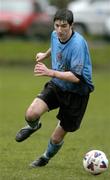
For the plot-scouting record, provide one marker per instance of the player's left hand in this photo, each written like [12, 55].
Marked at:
[42, 70]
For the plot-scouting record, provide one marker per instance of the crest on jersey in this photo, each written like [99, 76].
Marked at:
[59, 56]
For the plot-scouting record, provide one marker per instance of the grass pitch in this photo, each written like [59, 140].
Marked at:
[18, 87]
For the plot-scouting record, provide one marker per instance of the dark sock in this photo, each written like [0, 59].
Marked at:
[33, 124]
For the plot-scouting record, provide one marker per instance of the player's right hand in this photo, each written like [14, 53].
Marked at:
[40, 56]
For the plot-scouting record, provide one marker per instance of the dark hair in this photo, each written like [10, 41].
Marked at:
[64, 15]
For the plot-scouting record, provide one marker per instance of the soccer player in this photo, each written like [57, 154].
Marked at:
[68, 89]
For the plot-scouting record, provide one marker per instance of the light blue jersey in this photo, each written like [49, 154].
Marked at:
[72, 56]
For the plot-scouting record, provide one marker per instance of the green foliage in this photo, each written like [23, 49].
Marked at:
[18, 87]
[60, 3]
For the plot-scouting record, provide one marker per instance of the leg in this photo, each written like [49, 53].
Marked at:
[56, 141]
[35, 110]
[54, 145]
[33, 113]
[58, 134]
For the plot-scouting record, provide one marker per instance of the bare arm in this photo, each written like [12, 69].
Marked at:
[41, 56]
[42, 70]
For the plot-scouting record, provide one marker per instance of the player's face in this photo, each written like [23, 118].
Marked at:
[63, 29]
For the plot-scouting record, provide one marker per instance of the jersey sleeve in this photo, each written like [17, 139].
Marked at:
[77, 60]
[81, 63]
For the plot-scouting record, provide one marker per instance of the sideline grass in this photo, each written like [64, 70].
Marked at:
[18, 87]
[19, 51]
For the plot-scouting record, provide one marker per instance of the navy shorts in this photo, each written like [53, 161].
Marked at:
[71, 105]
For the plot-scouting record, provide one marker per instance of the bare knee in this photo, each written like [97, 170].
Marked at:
[31, 115]
[36, 109]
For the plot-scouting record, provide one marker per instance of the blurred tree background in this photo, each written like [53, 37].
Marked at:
[60, 3]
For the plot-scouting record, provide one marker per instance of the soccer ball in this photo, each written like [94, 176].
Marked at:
[95, 162]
